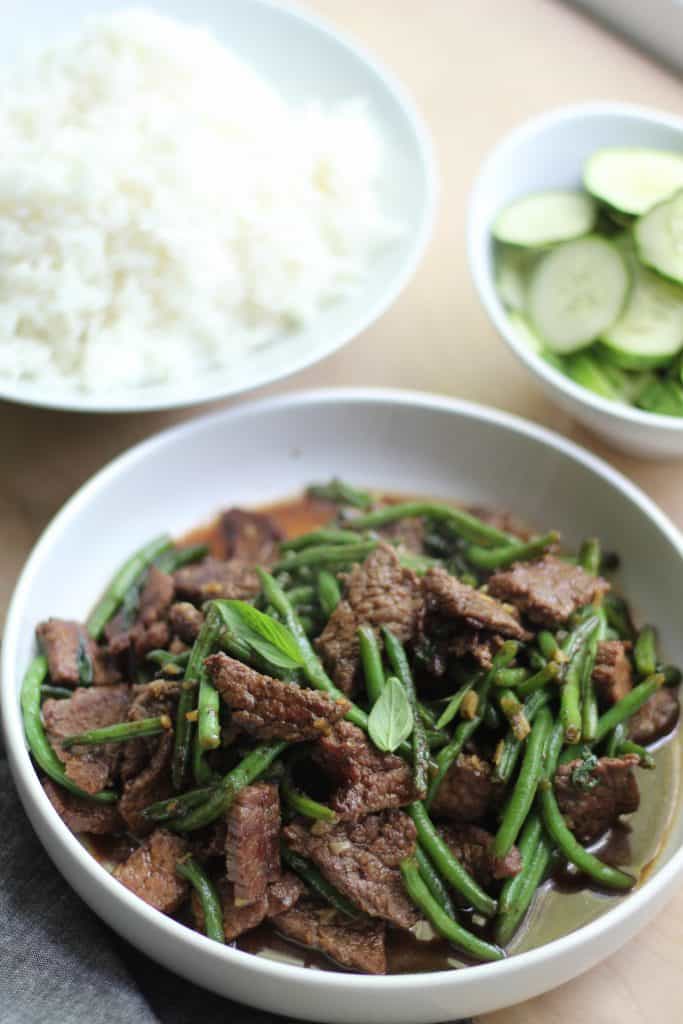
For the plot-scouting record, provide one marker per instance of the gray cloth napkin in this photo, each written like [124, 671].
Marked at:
[59, 963]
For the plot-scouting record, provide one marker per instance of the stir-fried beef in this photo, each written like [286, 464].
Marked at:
[448, 598]
[72, 655]
[253, 845]
[92, 768]
[612, 673]
[82, 815]
[473, 847]
[380, 592]
[156, 596]
[591, 801]
[362, 860]
[249, 537]
[185, 621]
[213, 578]
[468, 790]
[239, 917]
[479, 645]
[501, 520]
[270, 709]
[356, 944]
[145, 628]
[656, 718]
[284, 893]
[548, 590]
[147, 761]
[367, 780]
[150, 872]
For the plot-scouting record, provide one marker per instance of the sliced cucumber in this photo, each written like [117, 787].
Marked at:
[649, 331]
[662, 396]
[576, 292]
[631, 181]
[591, 373]
[524, 332]
[545, 218]
[658, 238]
[512, 272]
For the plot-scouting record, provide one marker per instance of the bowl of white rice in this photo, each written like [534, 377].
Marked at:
[194, 203]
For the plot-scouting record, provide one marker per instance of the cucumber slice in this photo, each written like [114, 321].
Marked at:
[649, 332]
[659, 238]
[545, 218]
[589, 372]
[512, 271]
[631, 181]
[662, 396]
[576, 292]
[524, 332]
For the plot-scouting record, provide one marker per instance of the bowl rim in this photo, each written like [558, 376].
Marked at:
[33, 795]
[478, 235]
[133, 400]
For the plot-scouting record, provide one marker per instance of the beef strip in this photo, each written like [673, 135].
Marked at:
[612, 672]
[367, 780]
[150, 872]
[249, 537]
[283, 894]
[473, 848]
[270, 709]
[548, 590]
[83, 815]
[213, 578]
[238, 917]
[468, 790]
[147, 760]
[359, 945]
[148, 628]
[185, 621]
[252, 845]
[481, 646]
[656, 718]
[450, 599]
[362, 860]
[591, 811]
[71, 653]
[380, 592]
[92, 768]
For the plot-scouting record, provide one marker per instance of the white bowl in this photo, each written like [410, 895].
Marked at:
[549, 152]
[303, 58]
[269, 449]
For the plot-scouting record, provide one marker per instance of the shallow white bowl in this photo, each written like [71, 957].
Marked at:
[304, 59]
[549, 152]
[269, 449]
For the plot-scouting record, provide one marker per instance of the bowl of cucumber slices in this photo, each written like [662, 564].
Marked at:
[575, 243]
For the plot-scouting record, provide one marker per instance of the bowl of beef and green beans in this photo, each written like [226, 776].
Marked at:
[574, 251]
[339, 736]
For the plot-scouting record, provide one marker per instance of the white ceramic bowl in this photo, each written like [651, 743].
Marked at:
[304, 59]
[549, 152]
[266, 450]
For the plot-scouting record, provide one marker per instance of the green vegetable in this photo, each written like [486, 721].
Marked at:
[55, 692]
[208, 897]
[371, 660]
[467, 526]
[120, 732]
[340, 493]
[304, 804]
[645, 652]
[545, 675]
[326, 554]
[130, 573]
[501, 557]
[453, 706]
[420, 749]
[264, 634]
[583, 776]
[628, 705]
[177, 806]
[590, 556]
[629, 747]
[432, 879]
[317, 537]
[165, 658]
[519, 803]
[315, 881]
[523, 886]
[329, 593]
[175, 558]
[576, 648]
[510, 749]
[391, 719]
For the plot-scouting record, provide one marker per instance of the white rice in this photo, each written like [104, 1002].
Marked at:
[163, 211]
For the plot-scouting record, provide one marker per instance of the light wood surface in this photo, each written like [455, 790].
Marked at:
[476, 68]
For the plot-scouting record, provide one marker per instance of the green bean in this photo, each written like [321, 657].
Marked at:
[326, 554]
[427, 715]
[548, 645]
[436, 740]
[223, 794]
[446, 863]
[444, 924]
[453, 706]
[420, 564]
[629, 747]
[618, 616]
[371, 660]
[536, 660]
[672, 674]
[432, 879]
[627, 706]
[165, 658]
[450, 753]
[37, 740]
[340, 493]
[510, 677]
[175, 558]
[575, 648]
[304, 804]
[502, 557]
[511, 748]
[589, 700]
[208, 897]
[528, 841]
[303, 594]
[547, 674]
[47, 691]
[195, 673]
[176, 806]
[530, 877]
[312, 667]
[645, 652]
[315, 881]
[519, 804]
[492, 718]
[561, 835]
[399, 663]
[467, 526]
[590, 556]
[208, 700]
[120, 732]
[329, 592]
[616, 736]
[322, 536]
[513, 709]
[129, 574]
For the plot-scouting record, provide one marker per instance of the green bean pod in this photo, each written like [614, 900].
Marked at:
[501, 557]
[208, 897]
[529, 879]
[432, 879]
[519, 804]
[120, 732]
[420, 748]
[317, 537]
[645, 652]
[326, 554]
[129, 574]
[590, 556]
[304, 804]
[628, 705]
[329, 592]
[175, 558]
[463, 524]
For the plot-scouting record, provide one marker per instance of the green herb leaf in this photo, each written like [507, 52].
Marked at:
[269, 638]
[391, 718]
[582, 775]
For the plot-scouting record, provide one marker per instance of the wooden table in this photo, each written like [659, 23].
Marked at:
[476, 68]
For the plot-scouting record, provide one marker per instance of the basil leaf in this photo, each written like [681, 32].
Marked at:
[391, 718]
[269, 638]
